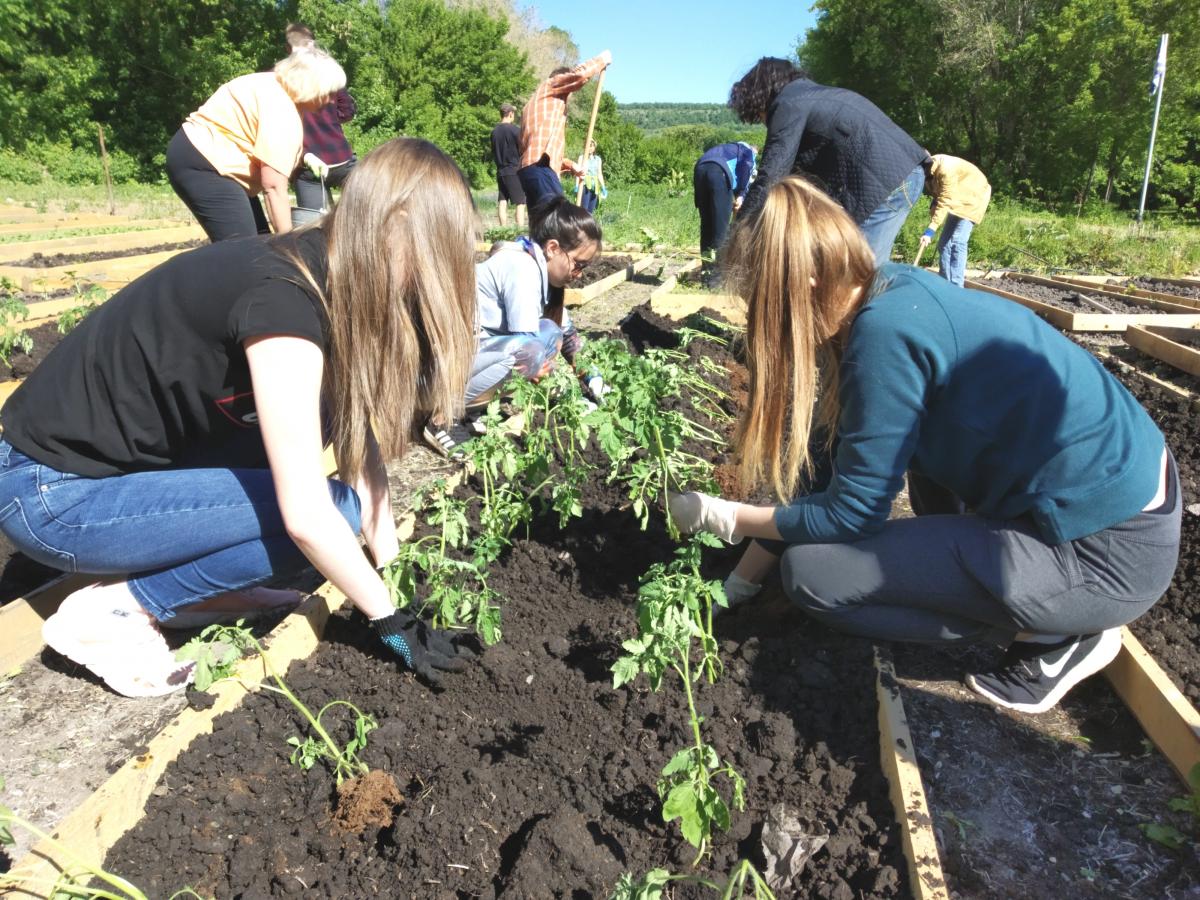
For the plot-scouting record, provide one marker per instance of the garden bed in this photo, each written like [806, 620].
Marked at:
[529, 775]
[1166, 286]
[52, 260]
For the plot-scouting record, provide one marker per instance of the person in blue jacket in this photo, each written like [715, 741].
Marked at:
[720, 180]
[1047, 503]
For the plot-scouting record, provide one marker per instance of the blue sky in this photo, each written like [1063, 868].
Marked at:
[678, 51]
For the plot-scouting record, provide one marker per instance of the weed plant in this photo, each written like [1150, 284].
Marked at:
[651, 885]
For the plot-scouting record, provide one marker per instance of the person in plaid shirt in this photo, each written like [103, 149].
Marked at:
[544, 130]
[326, 150]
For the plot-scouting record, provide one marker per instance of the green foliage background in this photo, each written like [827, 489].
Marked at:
[1049, 97]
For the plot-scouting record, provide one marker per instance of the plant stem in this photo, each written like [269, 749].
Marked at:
[131, 892]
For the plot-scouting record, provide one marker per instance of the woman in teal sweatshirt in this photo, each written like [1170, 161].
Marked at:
[1047, 503]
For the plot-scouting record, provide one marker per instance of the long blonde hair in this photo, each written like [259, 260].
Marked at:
[804, 269]
[400, 298]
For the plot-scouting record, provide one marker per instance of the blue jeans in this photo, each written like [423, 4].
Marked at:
[177, 535]
[952, 249]
[881, 227]
[539, 183]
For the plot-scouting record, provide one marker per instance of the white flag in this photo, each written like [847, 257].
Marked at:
[1160, 67]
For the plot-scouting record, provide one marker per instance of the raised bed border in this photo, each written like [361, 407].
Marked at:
[1066, 320]
[97, 243]
[578, 296]
[1161, 343]
[111, 274]
[1130, 292]
[1165, 714]
[1167, 305]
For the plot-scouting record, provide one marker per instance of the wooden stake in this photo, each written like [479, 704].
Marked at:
[920, 250]
[112, 206]
[591, 129]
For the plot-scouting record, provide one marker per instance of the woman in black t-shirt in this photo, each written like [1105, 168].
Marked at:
[172, 444]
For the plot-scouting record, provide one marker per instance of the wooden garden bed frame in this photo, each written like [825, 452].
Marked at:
[1168, 305]
[672, 281]
[1067, 320]
[1167, 344]
[1127, 293]
[99, 243]
[111, 274]
[579, 296]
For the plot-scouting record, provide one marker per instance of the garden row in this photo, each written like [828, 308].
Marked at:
[540, 771]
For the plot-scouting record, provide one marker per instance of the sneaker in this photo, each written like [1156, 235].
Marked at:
[1033, 677]
[448, 440]
[225, 609]
[103, 628]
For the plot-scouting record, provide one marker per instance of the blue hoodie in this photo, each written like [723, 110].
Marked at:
[737, 160]
[980, 395]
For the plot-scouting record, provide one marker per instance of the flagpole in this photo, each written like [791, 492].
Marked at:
[1161, 78]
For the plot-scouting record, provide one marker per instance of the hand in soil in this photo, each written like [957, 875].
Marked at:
[427, 651]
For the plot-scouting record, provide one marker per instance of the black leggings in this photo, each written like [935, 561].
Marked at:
[221, 205]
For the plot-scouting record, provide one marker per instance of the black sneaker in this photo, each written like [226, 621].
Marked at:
[1034, 677]
[448, 440]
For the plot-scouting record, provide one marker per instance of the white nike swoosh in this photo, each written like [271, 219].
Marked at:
[1053, 670]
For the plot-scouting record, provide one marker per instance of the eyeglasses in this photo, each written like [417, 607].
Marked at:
[576, 265]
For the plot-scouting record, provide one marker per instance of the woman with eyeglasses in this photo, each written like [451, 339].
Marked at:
[522, 324]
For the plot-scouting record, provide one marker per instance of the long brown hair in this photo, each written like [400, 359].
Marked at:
[400, 298]
[804, 270]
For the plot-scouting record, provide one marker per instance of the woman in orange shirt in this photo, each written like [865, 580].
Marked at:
[247, 139]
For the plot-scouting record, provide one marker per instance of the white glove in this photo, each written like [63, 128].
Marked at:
[595, 389]
[737, 591]
[316, 165]
[694, 511]
[606, 55]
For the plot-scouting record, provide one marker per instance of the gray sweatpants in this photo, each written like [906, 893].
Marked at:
[949, 576]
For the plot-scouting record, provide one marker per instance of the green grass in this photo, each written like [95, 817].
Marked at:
[1012, 235]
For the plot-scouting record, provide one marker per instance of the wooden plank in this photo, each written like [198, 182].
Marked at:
[672, 281]
[1167, 306]
[1161, 708]
[679, 306]
[899, 759]
[1072, 321]
[6, 390]
[1190, 302]
[111, 274]
[579, 296]
[21, 620]
[49, 310]
[100, 243]
[1154, 380]
[44, 226]
[1154, 342]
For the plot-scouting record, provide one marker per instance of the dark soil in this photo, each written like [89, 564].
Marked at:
[599, 269]
[528, 775]
[1171, 629]
[44, 261]
[1073, 300]
[45, 338]
[1163, 287]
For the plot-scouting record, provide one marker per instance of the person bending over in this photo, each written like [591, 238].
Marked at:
[247, 139]
[523, 325]
[865, 161]
[720, 180]
[544, 130]
[1048, 505]
[171, 445]
[960, 198]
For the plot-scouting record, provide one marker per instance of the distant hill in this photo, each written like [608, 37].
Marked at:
[653, 117]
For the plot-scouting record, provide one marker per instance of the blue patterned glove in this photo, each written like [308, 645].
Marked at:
[425, 650]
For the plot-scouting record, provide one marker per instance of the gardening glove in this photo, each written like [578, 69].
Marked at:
[694, 511]
[737, 591]
[316, 165]
[594, 388]
[425, 650]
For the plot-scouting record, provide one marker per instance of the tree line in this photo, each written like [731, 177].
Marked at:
[1049, 97]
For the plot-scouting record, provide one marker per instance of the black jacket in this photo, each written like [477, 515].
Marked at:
[841, 139]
